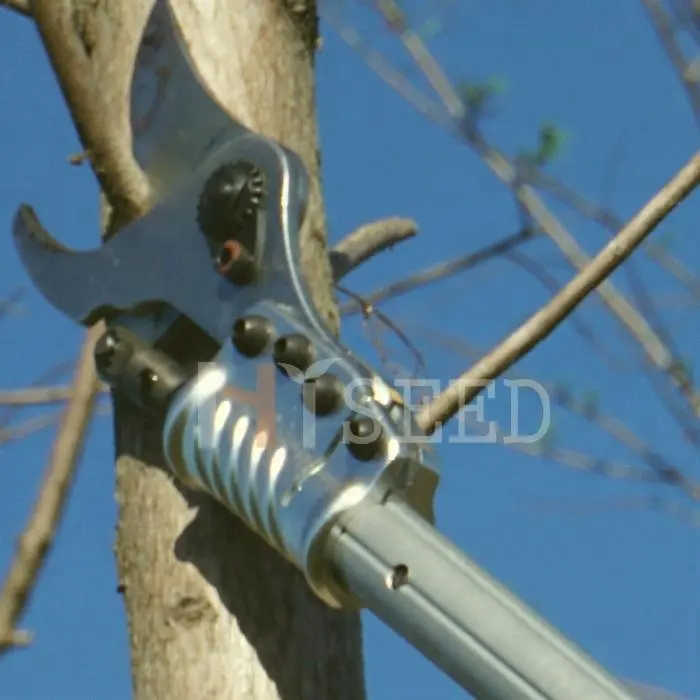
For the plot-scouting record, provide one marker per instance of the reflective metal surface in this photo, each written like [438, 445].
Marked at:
[241, 432]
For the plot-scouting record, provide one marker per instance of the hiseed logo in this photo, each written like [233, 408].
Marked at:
[471, 425]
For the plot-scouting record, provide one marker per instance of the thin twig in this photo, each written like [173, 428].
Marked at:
[33, 397]
[28, 427]
[663, 471]
[664, 32]
[367, 241]
[674, 267]
[37, 538]
[418, 50]
[41, 395]
[390, 75]
[680, 511]
[388, 323]
[53, 373]
[685, 419]
[21, 7]
[572, 459]
[542, 323]
[440, 271]
[10, 303]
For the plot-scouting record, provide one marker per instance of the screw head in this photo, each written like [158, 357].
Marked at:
[105, 350]
[148, 381]
[294, 350]
[252, 335]
[235, 262]
[366, 438]
[323, 395]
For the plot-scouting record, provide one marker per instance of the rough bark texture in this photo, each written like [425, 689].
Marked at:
[212, 611]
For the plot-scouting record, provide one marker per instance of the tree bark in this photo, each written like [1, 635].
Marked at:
[212, 611]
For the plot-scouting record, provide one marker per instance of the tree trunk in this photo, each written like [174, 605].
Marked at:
[212, 611]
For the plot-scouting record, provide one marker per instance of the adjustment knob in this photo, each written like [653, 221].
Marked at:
[229, 200]
[252, 335]
[365, 440]
[295, 351]
[323, 395]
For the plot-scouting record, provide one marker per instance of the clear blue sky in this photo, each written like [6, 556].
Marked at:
[620, 581]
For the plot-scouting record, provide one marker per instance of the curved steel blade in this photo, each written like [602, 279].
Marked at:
[175, 121]
[176, 125]
[123, 275]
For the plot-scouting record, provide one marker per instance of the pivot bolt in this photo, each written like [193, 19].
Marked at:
[252, 335]
[293, 351]
[323, 395]
[365, 440]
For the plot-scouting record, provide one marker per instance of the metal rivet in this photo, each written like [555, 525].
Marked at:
[323, 395]
[366, 438]
[252, 335]
[293, 351]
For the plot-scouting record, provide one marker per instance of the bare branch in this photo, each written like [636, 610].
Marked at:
[613, 223]
[120, 178]
[37, 538]
[659, 255]
[664, 31]
[653, 346]
[636, 324]
[662, 470]
[439, 272]
[367, 241]
[550, 283]
[542, 323]
[21, 7]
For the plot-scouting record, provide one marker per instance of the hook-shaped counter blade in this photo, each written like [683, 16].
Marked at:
[177, 125]
[175, 121]
[160, 259]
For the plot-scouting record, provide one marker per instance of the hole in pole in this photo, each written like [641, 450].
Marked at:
[397, 577]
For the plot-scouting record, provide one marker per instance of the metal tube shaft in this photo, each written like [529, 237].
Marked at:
[469, 625]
